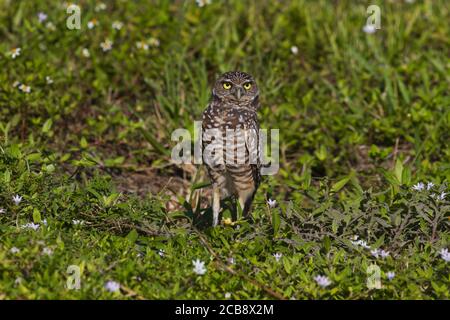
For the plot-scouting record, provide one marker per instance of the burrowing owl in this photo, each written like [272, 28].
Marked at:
[230, 140]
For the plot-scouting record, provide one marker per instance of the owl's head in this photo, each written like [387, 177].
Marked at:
[236, 87]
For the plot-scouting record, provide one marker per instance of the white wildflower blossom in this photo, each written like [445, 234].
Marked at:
[375, 252]
[106, 45]
[154, 42]
[100, 7]
[294, 50]
[369, 29]
[390, 275]
[117, 25]
[112, 286]
[199, 267]
[92, 23]
[17, 199]
[322, 281]
[30, 225]
[14, 250]
[142, 45]
[49, 80]
[42, 17]
[227, 295]
[15, 52]
[419, 186]
[202, 3]
[48, 251]
[361, 243]
[2, 210]
[50, 26]
[277, 256]
[85, 52]
[430, 185]
[445, 254]
[18, 281]
[272, 203]
[24, 88]
[384, 254]
[161, 252]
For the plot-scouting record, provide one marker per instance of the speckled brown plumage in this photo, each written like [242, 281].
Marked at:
[233, 166]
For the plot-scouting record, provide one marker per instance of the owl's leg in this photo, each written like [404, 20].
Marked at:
[245, 197]
[216, 204]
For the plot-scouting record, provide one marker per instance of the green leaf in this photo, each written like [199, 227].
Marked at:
[275, 221]
[398, 170]
[47, 126]
[158, 146]
[36, 216]
[132, 236]
[340, 184]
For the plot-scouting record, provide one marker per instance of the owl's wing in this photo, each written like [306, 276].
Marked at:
[253, 147]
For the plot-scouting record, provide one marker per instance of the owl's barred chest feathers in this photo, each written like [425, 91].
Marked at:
[229, 117]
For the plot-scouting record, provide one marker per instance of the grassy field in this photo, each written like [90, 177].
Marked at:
[87, 184]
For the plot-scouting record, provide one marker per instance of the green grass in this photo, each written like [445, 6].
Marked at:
[362, 118]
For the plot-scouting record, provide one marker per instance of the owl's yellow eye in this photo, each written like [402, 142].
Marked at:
[247, 86]
[227, 85]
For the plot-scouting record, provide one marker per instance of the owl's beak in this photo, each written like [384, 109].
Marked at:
[238, 93]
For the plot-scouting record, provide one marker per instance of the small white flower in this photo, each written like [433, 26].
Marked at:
[430, 185]
[18, 281]
[47, 251]
[227, 295]
[369, 29]
[106, 45]
[277, 256]
[50, 26]
[30, 225]
[442, 196]
[117, 25]
[375, 252]
[142, 45]
[24, 88]
[14, 250]
[85, 53]
[77, 222]
[202, 3]
[384, 254]
[294, 50]
[44, 222]
[42, 17]
[15, 52]
[92, 23]
[17, 199]
[231, 260]
[272, 203]
[100, 7]
[2, 210]
[445, 254]
[49, 80]
[153, 42]
[322, 281]
[361, 243]
[112, 286]
[419, 186]
[390, 275]
[199, 267]
[161, 252]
